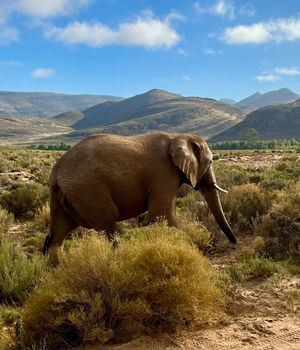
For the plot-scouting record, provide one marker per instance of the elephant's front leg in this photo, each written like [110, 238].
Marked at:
[162, 205]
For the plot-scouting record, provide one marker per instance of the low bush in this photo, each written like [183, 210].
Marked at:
[24, 200]
[193, 209]
[230, 175]
[8, 314]
[281, 227]
[254, 268]
[197, 234]
[18, 273]
[154, 278]
[6, 220]
[246, 204]
[41, 219]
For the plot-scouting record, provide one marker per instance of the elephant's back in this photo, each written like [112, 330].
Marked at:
[112, 159]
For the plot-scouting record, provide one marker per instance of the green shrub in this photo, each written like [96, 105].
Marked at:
[18, 273]
[8, 314]
[281, 227]
[254, 268]
[246, 204]
[193, 209]
[41, 220]
[154, 278]
[25, 199]
[230, 175]
[190, 205]
[6, 220]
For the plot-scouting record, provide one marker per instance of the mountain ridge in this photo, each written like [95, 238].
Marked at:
[257, 100]
[271, 122]
[46, 104]
[158, 110]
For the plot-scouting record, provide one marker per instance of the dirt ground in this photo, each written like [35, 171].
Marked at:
[263, 316]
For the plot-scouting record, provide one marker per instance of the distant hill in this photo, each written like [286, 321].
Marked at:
[44, 104]
[158, 110]
[29, 130]
[67, 118]
[137, 106]
[229, 101]
[271, 122]
[275, 97]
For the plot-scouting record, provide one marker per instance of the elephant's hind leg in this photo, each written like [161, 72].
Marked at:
[60, 227]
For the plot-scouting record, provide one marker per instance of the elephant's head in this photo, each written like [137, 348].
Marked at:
[193, 157]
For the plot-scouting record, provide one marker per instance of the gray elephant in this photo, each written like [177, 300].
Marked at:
[109, 178]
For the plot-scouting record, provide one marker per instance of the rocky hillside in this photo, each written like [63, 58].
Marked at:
[272, 122]
[44, 104]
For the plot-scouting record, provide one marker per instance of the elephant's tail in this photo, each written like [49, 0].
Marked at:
[54, 189]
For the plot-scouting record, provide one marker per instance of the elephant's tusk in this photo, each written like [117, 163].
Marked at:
[219, 188]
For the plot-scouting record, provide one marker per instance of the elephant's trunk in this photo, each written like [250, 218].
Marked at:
[210, 189]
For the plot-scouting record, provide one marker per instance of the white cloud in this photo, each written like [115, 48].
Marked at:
[10, 63]
[223, 8]
[146, 30]
[33, 8]
[210, 51]
[267, 77]
[287, 71]
[282, 29]
[254, 34]
[43, 73]
[49, 8]
[186, 78]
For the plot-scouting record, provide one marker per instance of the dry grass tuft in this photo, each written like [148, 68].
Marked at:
[154, 278]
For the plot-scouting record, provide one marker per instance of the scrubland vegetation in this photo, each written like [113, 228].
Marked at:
[157, 278]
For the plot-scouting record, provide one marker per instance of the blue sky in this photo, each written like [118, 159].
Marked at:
[207, 48]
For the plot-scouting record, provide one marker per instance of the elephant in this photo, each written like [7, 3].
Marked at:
[108, 178]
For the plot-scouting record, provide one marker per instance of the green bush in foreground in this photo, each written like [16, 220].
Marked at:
[18, 273]
[154, 278]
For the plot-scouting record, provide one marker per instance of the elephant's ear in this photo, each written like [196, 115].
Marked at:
[183, 153]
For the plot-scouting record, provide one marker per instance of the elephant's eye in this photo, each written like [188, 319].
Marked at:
[210, 161]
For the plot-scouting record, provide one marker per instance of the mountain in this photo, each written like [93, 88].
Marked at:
[158, 110]
[46, 104]
[229, 101]
[134, 107]
[67, 118]
[271, 122]
[275, 97]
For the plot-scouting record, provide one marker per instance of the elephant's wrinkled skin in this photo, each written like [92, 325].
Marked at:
[109, 178]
